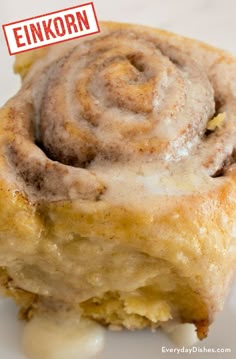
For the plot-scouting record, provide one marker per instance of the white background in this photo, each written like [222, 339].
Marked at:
[212, 21]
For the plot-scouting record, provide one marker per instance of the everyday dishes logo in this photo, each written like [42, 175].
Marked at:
[51, 28]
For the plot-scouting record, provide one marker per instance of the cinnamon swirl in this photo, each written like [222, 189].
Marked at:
[118, 179]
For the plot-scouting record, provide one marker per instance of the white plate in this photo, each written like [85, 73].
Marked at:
[130, 345]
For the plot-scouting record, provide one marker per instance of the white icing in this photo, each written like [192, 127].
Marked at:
[60, 337]
[100, 107]
[181, 334]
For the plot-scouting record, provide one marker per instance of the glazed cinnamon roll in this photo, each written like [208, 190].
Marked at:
[118, 179]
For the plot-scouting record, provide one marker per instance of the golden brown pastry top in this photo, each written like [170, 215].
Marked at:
[123, 114]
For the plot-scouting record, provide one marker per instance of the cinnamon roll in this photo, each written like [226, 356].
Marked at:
[118, 179]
